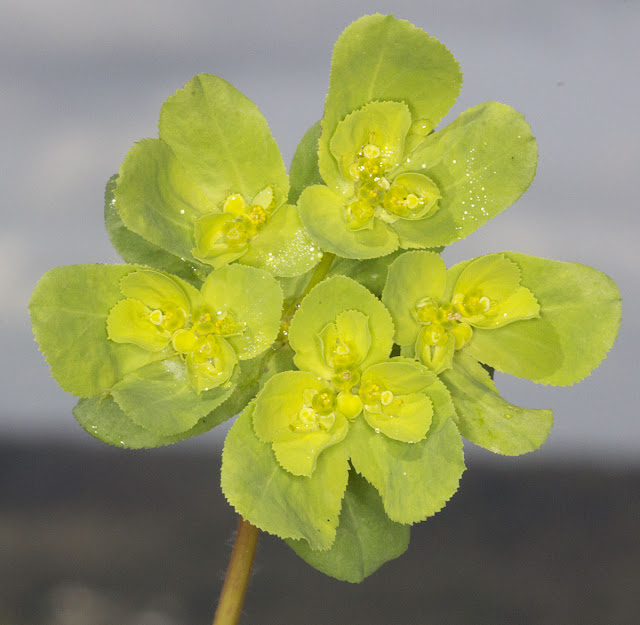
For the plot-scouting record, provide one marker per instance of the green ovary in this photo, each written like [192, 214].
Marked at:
[408, 196]
[224, 236]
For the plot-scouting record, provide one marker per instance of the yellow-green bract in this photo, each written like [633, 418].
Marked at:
[389, 180]
[147, 350]
[356, 376]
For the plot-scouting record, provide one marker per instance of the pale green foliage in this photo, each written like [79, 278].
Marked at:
[234, 302]
[173, 191]
[366, 538]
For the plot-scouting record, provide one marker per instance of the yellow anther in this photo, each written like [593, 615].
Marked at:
[383, 183]
[370, 193]
[174, 318]
[484, 303]
[257, 215]
[358, 215]
[342, 349]
[203, 323]
[370, 393]
[354, 171]
[307, 415]
[324, 402]
[205, 348]
[156, 317]
[386, 397]
[425, 310]
[371, 151]
[413, 201]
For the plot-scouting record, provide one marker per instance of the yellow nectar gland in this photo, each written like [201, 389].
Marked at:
[441, 321]
[375, 397]
[471, 304]
[250, 220]
[376, 196]
[317, 412]
[346, 379]
[206, 348]
[222, 323]
[171, 319]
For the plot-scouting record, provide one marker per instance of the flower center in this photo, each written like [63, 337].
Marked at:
[377, 197]
[317, 412]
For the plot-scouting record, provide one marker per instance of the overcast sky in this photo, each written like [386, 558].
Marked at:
[81, 81]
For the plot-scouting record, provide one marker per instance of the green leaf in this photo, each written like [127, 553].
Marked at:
[69, 309]
[222, 140]
[304, 170]
[283, 248]
[381, 58]
[412, 277]
[323, 213]
[160, 397]
[134, 249]
[579, 320]
[321, 307]
[415, 480]
[275, 500]
[104, 419]
[482, 163]
[485, 418]
[158, 200]
[251, 297]
[365, 540]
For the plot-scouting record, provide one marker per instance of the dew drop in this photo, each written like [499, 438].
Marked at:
[377, 430]
[182, 211]
[508, 416]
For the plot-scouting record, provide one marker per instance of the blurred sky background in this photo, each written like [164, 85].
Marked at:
[81, 81]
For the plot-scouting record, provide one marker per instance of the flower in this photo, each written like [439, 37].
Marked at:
[148, 351]
[212, 189]
[349, 403]
[510, 312]
[389, 180]
[435, 315]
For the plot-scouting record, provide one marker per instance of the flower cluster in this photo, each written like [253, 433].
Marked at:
[316, 303]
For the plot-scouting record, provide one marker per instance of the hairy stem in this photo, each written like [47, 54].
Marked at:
[238, 574]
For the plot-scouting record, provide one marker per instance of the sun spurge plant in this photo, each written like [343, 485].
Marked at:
[316, 305]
